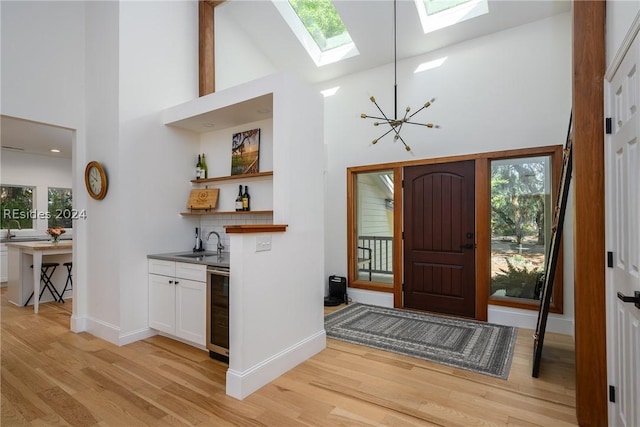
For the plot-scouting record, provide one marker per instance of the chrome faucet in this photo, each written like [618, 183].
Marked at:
[9, 235]
[220, 246]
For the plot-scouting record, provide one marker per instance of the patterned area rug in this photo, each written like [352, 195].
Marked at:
[476, 346]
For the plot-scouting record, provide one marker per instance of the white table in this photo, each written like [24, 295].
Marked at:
[37, 250]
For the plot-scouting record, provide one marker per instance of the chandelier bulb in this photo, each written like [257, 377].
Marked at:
[372, 99]
[363, 116]
[376, 123]
[374, 141]
[406, 147]
[408, 109]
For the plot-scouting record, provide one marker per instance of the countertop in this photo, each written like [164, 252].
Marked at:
[30, 239]
[208, 258]
[40, 245]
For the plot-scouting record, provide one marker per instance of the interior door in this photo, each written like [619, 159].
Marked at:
[439, 238]
[622, 171]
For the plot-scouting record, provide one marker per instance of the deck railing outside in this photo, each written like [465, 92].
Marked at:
[381, 253]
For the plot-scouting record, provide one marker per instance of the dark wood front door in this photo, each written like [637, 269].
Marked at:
[439, 238]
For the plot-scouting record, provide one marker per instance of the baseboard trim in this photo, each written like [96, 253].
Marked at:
[104, 330]
[78, 324]
[134, 336]
[528, 319]
[242, 384]
[364, 296]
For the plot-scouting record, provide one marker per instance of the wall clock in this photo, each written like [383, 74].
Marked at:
[96, 180]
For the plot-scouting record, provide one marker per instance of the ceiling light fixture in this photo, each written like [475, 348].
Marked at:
[54, 150]
[395, 124]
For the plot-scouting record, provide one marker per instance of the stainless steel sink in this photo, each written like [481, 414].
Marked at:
[197, 255]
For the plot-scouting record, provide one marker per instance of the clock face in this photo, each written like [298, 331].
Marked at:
[96, 180]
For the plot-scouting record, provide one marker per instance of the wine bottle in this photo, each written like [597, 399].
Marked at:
[246, 199]
[205, 170]
[239, 200]
[199, 168]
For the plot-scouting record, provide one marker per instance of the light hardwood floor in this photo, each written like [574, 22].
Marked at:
[51, 376]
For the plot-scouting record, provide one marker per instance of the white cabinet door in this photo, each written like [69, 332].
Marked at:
[4, 264]
[191, 310]
[162, 303]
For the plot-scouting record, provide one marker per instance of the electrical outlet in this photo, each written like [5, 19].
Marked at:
[263, 243]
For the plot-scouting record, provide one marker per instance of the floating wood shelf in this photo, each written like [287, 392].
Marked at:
[255, 228]
[205, 212]
[232, 177]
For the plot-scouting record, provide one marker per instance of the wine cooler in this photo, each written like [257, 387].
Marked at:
[218, 313]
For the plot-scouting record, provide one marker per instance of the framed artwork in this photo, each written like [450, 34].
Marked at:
[245, 152]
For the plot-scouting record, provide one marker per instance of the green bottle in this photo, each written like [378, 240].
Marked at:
[199, 168]
[205, 170]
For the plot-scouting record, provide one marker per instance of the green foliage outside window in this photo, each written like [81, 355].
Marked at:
[16, 203]
[518, 201]
[520, 225]
[60, 207]
[322, 21]
[519, 280]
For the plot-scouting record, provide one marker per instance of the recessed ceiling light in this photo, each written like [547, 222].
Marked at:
[208, 125]
[54, 150]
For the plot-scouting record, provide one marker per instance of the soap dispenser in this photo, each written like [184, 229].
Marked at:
[198, 242]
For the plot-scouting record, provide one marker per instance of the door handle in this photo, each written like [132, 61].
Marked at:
[634, 299]
[468, 246]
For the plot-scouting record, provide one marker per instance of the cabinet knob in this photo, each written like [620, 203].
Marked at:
[170, 281]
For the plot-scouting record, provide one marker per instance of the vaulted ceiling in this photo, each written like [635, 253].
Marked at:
[370, 24]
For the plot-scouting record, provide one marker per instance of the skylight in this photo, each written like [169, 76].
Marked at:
[437, 14]
[319, 28]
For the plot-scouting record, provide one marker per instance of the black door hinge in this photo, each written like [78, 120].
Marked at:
[612, 394]
[607, 125]
[610, 259]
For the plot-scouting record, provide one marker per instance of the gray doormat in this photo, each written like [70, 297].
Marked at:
[476, 346]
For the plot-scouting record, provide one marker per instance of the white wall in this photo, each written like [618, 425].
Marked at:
[158, 60]
[40, 172]
[620, 15]
[237, 59]
[276, 316]
[504, 91]
[42, 61]
[104, 220]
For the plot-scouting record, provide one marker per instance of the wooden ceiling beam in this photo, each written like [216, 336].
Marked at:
[206, 46]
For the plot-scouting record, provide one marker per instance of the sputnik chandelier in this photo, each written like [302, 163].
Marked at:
[395, 124]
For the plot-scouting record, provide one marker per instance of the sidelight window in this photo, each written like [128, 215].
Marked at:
[521, 220]
[372, 193]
